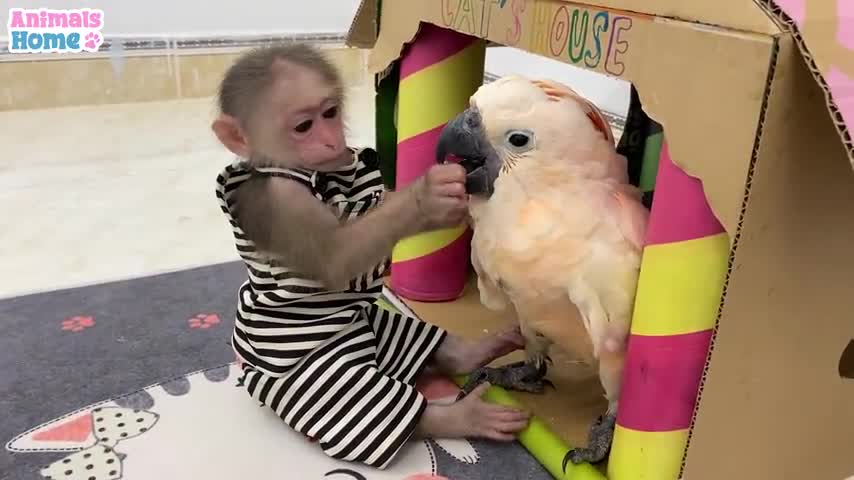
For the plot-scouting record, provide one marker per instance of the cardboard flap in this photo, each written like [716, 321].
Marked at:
[363, 29]
[778, 402]
[824, 31]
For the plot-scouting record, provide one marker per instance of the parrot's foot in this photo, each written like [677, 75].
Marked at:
[521, 376]
[599, 442]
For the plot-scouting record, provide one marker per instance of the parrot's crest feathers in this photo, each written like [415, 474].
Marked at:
[558, 92]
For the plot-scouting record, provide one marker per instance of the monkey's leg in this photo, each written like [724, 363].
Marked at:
[602, 431]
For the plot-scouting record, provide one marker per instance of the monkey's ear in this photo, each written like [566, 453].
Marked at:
[227, 130]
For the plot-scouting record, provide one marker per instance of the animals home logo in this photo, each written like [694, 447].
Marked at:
[44, 30]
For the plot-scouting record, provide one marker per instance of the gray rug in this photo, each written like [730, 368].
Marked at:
[148, 362]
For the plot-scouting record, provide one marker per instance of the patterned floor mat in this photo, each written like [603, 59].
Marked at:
[134, 380]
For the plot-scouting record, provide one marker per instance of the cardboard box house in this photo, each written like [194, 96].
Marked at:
[740, 358]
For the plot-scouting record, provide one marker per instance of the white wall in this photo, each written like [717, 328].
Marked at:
[608, 93]
[208, 17]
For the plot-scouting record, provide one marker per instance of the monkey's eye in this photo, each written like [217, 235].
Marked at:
[303, 127]
[331, 112]
[520, 140]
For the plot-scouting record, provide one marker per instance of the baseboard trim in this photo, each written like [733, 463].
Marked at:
[195, 45]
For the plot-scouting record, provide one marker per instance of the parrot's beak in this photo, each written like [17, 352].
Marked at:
[464, 138]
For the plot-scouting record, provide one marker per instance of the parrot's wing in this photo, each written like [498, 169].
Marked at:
[631, 217]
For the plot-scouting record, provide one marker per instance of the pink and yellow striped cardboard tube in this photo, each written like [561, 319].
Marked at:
[439, 71]
[681, 281]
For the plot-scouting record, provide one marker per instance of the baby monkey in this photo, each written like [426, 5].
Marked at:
[314, 225]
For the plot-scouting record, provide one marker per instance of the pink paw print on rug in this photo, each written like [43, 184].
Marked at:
[78, 323]
[204, 320]
[93, 41]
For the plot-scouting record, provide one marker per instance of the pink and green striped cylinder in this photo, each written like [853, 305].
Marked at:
[681, 281]
[439, 71]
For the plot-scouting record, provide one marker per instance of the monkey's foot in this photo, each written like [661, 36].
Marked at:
[521, 376]
[599, 442]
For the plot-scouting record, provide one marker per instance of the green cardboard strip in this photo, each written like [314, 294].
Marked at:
[651, 154]
[635, 131]
[386, 131]
[641, 145]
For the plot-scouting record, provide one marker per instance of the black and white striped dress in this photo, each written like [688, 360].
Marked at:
[332, 364]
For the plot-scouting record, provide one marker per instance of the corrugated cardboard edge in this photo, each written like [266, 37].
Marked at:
[789, 25]
[735, 237]
[363, 28]
[377, 64]
[364, 31]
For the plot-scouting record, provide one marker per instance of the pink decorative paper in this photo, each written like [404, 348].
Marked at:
[796, 9]
[845, 26]
[827, 28]
[842, 87]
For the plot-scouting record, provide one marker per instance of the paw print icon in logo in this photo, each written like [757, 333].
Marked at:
[93, 41]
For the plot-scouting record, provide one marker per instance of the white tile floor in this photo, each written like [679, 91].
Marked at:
[111, 192]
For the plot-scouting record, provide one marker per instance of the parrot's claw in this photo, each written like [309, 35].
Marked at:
[599, 442]
[520, 376]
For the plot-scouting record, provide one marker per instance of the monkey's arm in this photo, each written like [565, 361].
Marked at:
[285, 220]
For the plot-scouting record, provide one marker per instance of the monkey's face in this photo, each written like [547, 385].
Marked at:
[299, 123]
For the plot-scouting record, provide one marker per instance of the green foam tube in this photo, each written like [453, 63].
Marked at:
[542, 442]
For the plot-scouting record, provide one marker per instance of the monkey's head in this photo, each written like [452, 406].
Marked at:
[282, 106]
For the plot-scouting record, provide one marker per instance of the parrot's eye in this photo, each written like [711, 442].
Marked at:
[520, 140]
